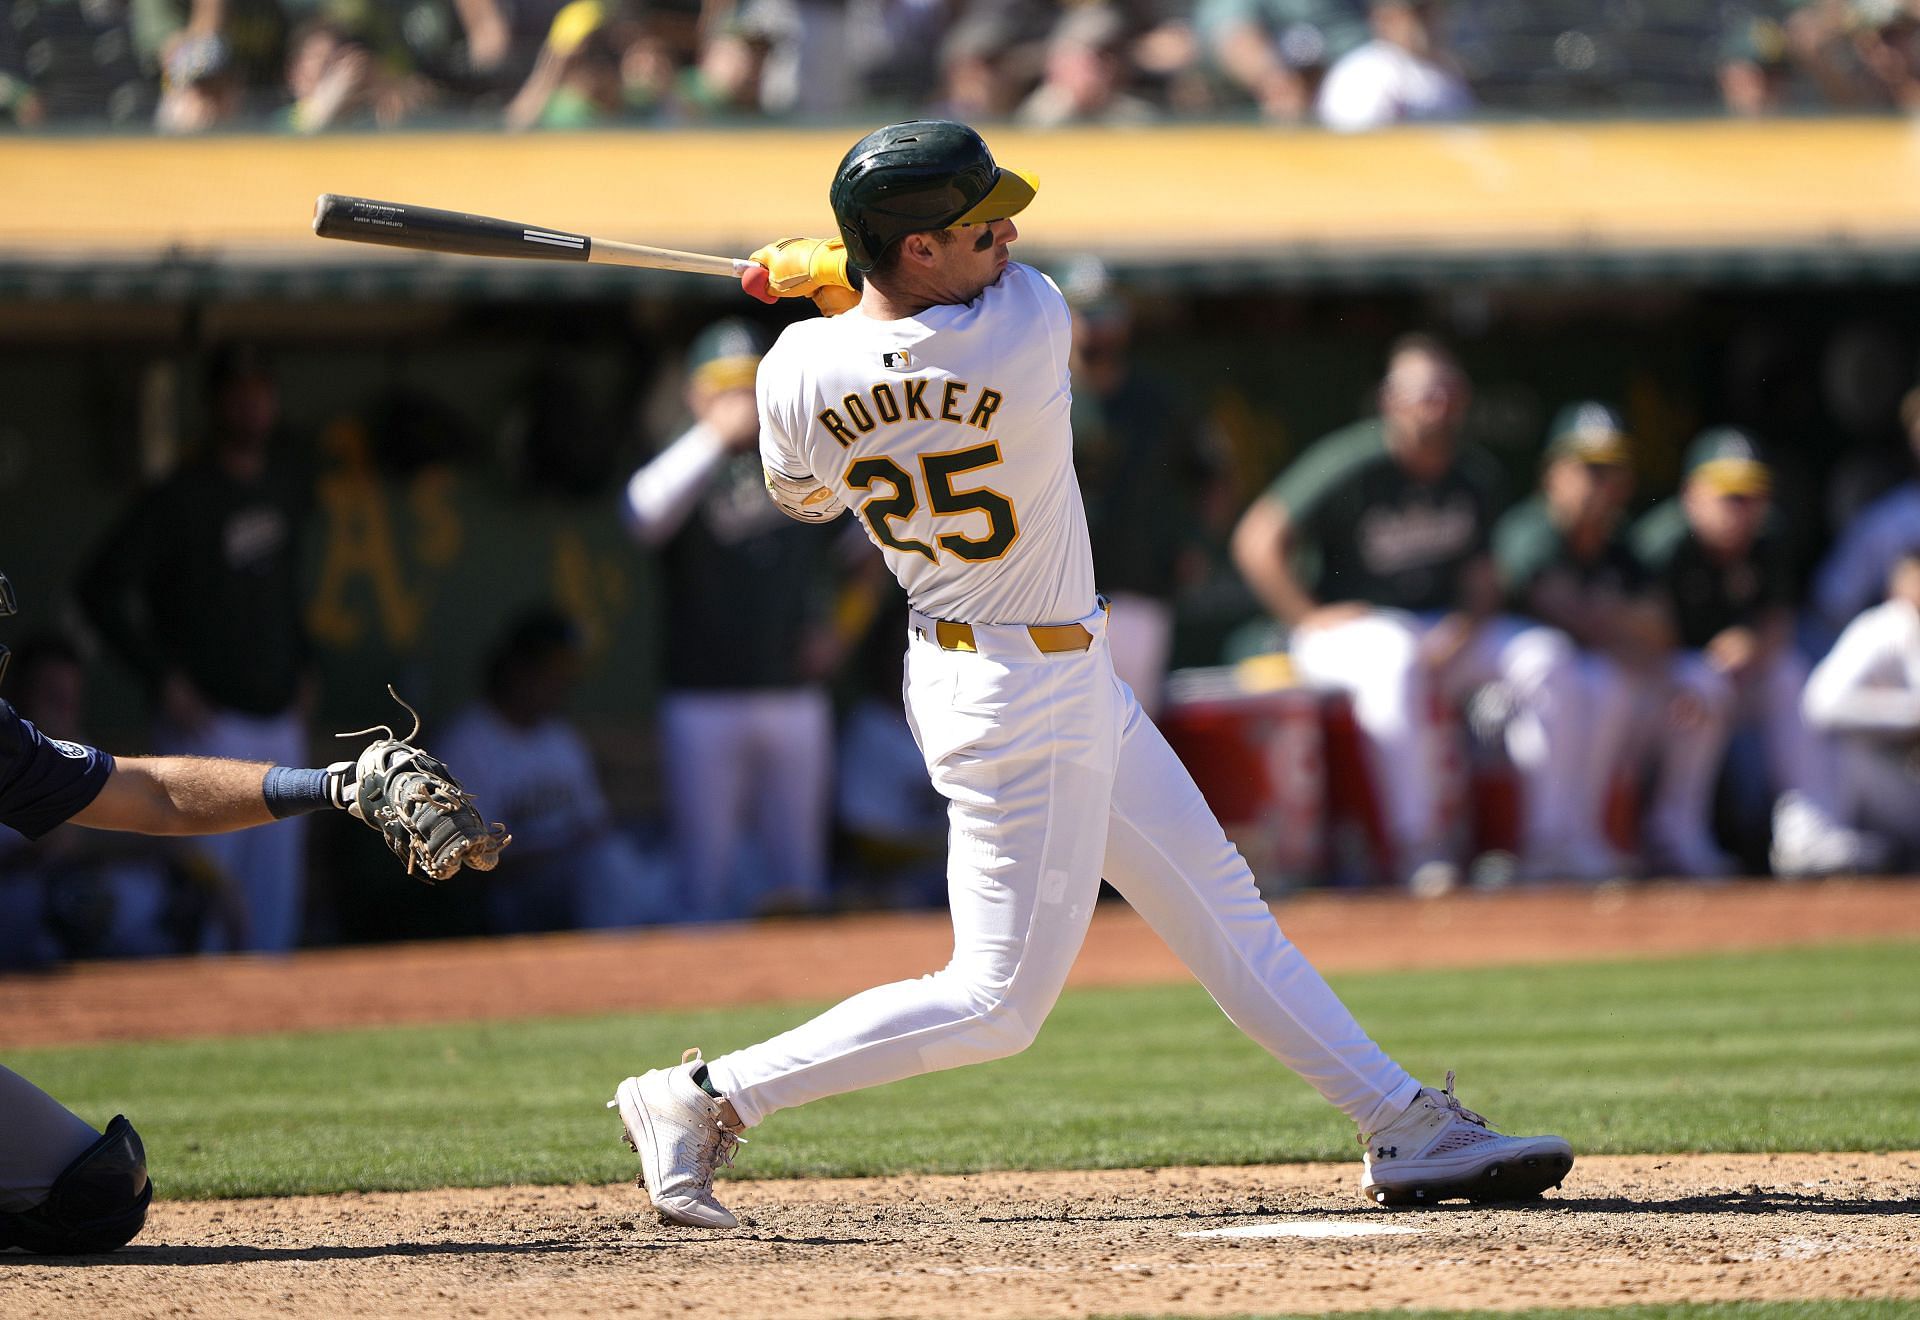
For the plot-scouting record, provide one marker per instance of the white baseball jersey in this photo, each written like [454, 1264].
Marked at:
[948, 434]
[1870, 681]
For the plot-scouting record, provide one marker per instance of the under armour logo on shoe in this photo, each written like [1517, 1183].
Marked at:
[1386, 1152]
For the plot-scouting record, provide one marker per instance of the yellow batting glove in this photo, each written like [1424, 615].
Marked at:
[832, 300]
[813, 268]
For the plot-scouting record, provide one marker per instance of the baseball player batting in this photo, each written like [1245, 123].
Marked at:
[937, 409]
[64, 1187]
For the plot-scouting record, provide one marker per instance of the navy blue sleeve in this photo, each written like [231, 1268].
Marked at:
[44, 781]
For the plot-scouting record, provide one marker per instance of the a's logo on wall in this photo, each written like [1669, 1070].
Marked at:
[72, 751]
[897, 360]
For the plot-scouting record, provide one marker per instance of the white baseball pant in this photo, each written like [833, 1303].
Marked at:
[1562, 746]
[267, 864]
[1054, 778]
[753, 764]
[1878, 788]
[1681, 715]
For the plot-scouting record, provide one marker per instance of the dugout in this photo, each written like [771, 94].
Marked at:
[465, 424]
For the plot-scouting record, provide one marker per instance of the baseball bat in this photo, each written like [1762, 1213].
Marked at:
[425, 229]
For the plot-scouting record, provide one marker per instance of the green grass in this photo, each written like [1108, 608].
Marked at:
[1835, 1309]
[1806, 1050]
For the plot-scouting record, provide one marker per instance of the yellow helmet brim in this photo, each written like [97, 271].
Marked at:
[1010, 196]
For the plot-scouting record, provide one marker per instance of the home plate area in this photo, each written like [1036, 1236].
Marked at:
[1164, 1242]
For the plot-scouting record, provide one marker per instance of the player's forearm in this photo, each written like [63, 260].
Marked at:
[207, 16]
[1886, 712]
[1279, 590]
[180, 795]
[1262, 551]
[1246, 56]
[1860, 688]
[662, 494]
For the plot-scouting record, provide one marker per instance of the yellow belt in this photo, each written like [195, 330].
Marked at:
[1048, 638]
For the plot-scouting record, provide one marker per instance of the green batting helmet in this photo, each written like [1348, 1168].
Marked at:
[923, 174]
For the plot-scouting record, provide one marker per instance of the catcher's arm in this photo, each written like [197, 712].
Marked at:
[416, 804]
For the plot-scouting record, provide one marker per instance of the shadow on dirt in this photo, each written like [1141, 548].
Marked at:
[162, 1255]
[241, 1255]
[1754, 1201]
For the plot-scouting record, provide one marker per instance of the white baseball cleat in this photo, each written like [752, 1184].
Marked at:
[1439, 1150]
[1807, 840]
[676, 1129]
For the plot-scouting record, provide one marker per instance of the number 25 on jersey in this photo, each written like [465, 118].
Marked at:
[937, 472]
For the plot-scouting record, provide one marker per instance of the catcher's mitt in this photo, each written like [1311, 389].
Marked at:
[421, 810]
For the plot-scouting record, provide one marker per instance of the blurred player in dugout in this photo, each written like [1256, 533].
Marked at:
[571, 868]
[1865, 697]
[1717, 552]
[746, 725]
[1141, 462]
[1373, 549]
[1564, 560]
[197, 589]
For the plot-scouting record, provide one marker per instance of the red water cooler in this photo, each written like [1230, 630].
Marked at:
[1259, 754]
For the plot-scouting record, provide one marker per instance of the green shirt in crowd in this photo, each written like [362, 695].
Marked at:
[1531, 552]
[203, 575]
[1709, 596]
[1369, 530]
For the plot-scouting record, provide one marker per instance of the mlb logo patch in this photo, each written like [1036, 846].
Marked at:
[897, 360]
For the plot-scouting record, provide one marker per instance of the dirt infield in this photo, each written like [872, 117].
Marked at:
[551, 976]
[1030, 1244]
[1049, 1244]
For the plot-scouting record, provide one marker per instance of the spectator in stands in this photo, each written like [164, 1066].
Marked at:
[1087, 73]
[1822, 39]
[20, 105]
[892, 47]
[1277, 51]
[1719, 556]
[570, 868]
[1564, 560]
[218, 60]
[1140, 459]
[486, 36]
[200, 87]
[336, 77]
[1856, 571]
[746, 728]
[70, 64]
[727, 79]
[577, 78]
[1373, 549]
[198, 589]
[1403, 74]
[1888, 41]
[1865, 696]
[1756, 65]
[982, 69]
